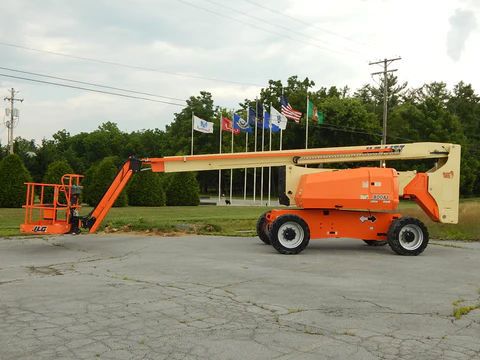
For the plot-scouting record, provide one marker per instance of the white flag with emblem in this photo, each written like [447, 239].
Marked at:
[278, 119]
[203, 126]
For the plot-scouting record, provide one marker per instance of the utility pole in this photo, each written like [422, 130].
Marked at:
[11, 123]
[386, 62]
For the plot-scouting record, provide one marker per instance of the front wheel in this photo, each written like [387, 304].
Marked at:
[407, 236]
[289, 234]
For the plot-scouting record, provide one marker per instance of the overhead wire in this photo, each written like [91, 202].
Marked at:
[119, 64]
[306, 23]
[361, 131]
[91, 90]
[223, 15]
[246, 14]
[89, 83]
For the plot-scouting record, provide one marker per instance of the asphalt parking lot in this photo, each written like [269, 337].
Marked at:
[191, 297]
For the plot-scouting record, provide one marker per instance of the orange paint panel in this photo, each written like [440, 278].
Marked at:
[362, 188]
[40, 228]
[158, 165]
[323, 224]
[418, 190]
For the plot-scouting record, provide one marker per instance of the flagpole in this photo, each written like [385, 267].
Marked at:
[191, 149]
[220, 171]
[231, 170]
[255, 145]
[270, 149]
[263, 149]
[306, 125]
[281, 130]
[245, 180]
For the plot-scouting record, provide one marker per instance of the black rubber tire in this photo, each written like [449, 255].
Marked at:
[395, 238]
[376, 242]
[262, 230]
[276, 228]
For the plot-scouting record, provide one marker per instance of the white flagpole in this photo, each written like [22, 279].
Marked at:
[270, 149]
[281, 138]
[220, 171]
[255, 145]
[231, 170]
[245, 180]
[306, 125]
[281, 131]
[263, 149]
[191, 148]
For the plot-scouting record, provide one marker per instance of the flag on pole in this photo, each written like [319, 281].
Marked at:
[258, 114]
[259, 111]
[251, 116]
[227, 125]
[266, 123]
[201, 125]
[313, 113]
[241, 124]
[278, 119]
[288, 111]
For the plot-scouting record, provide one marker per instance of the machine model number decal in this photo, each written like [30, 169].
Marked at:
[39, 228]
[380, 197]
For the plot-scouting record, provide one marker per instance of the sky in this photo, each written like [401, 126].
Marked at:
[177, 48]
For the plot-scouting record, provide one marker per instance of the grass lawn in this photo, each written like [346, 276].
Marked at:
[237, 221]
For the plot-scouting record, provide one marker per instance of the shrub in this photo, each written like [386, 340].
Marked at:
[13, 175]
[146, 189]
[182, 190]
[97, 180]
[53, 175]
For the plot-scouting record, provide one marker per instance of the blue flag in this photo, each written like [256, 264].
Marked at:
[241, 124]
[259, 111]
[266, 123]
[251, 116]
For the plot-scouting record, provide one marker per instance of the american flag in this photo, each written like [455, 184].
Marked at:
[288, 111]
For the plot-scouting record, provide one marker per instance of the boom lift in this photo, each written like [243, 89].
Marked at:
[356, 203]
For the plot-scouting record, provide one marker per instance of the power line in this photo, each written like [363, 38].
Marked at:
[92, 90]
[361, 131]
[134, 67]
[222, 15]
[246, 14]
[305, 22]
[89, 83]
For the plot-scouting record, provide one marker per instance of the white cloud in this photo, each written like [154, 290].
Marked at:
[462, 23]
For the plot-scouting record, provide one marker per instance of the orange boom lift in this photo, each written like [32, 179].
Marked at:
[360, 203]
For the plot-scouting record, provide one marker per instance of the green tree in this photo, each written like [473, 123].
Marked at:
[13, 175]
[100, 177]
[182, 190]
[53, 175]
[146, 189]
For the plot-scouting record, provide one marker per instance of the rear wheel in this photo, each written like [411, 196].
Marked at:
[289, 234]
[376, 242]
[408, 236]
[262, 229]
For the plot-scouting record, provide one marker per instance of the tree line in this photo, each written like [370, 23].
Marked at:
[432, 112]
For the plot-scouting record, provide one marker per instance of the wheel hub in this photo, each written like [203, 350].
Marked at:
[289, 234]
[408, 236]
